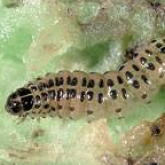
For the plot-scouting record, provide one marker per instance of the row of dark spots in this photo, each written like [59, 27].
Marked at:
[74, 82]
[90, 96]
[131, 54]
[114, 93]
[134, 83]
[149, 66]
[110, 82]
[70, 94]
[91, 83]
[70, 81]
[135, 67]
[45, 97]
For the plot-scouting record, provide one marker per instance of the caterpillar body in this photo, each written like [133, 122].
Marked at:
[76, 94]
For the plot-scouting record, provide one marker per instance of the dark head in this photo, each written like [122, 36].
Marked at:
[19, 101]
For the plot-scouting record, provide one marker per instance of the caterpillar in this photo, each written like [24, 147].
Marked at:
[76, 94]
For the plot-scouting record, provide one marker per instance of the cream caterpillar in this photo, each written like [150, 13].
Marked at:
[75, 94]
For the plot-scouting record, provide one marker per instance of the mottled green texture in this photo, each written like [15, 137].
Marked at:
[46, 36]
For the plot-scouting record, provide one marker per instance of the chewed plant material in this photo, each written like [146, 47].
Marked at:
[95, 139]
[77, 94]
[144, 144]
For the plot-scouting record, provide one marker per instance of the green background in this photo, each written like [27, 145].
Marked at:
[37, 37]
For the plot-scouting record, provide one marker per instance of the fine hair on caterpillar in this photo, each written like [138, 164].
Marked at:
[76, 94]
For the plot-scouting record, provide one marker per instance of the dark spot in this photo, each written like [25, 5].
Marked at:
[90, 95]
[50, 83]
[144, 96]
[149, 52]
[74, 81]
[159, 45]
[42, 86]
[71, 93]
[101, 83]
[84, 82]
[163, 39]
[38, 78]
[136, 84]
[135, 67]
[113, 94]
[124, 93]
[59, 81]
[37, 106]
[162, 50]
[158, 59]
[23, 91]
[60, 93]
[155, 130]
[91, 84]
[120, 80]
[118, 110]
[145, 79]
[68, 80]
[153, 163]
[122, 67]
[44, 96]
[59, 107]
[53, 108]
[153, 41]
[33, 88]
[129, 75]
[143, 60]
[110, 83]
[151, 66]
[71, 109]
[52, 94]
[89, 112]
[82, 96]
[100, 98]
[27, 102]
[135, 55]
[46, 106]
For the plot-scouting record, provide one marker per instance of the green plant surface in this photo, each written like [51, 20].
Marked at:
[40, 36]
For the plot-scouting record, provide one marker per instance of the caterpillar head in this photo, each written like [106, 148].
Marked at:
[19, 101]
